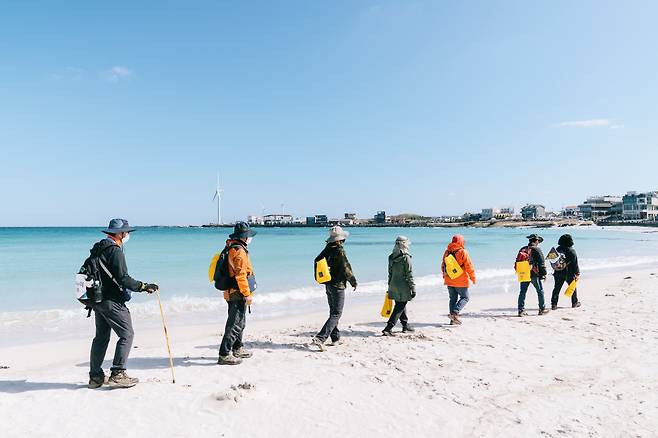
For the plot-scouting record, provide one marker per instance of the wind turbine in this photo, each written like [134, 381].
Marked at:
[218, 195]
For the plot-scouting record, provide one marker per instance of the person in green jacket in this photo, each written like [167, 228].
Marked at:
[401, 287]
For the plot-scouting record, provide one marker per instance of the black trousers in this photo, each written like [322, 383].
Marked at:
[399, 312]
[235, 324]
[111, 316]
[561, 278]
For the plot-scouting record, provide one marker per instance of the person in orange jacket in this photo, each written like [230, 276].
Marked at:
[238, 296]
[458, 287]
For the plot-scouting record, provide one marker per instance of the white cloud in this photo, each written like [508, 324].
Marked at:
[593, 123]
[117, 73]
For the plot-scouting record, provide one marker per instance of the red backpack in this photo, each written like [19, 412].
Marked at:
[525, 255]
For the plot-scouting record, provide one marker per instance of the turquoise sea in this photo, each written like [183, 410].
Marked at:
[37, 265]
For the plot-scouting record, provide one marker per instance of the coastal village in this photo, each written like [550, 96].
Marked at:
[633, 208]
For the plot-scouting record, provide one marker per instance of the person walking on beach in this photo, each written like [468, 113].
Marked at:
[401, 287]
[534, 255]
[341, 273]
[458, 286]
[239, 295]
[111, 313]
[565, 269]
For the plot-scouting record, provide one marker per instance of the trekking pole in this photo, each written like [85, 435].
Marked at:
[164, 324]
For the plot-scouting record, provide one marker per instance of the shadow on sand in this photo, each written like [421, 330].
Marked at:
[152, 363]
[18, 386]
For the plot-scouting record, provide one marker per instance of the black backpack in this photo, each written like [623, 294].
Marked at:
[91, 269]
[223, 281]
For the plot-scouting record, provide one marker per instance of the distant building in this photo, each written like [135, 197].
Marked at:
[255, 220]
[571, 211]
[467, 217]
[277, 219]
[380, 217]
[310, 220]
[533, 211]
[351, 216]
[601, 207]
[496, 213]
[504, 213]
[640, 206]
[321, 219]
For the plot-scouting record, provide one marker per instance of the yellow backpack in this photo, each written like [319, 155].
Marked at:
[322, 274]
[453, 269]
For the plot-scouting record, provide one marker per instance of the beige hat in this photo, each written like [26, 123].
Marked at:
[337, 233]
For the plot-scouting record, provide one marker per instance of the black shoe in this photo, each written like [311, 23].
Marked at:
[407, 328]
[553, 306]
[96, 381]
[387, 332]
[523, 313]
[574, 305]
[543, 311]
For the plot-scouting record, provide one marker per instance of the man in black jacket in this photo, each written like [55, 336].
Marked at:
[567, 271]
[341, 273]
[111, 314]
[537, 275]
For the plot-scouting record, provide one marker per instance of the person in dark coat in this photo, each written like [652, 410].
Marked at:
[401, 286]
[341, 274]
[537, 275]
[112, 314]
[566, 270]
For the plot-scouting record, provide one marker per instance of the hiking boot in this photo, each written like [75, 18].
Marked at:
[336, 343]
[523, 313]
[574, 305]
[120, 379]
[97, 381]
[317, 342]
[228, 360]
[554, 307]
[388, 332]
[242, 353]
[454, 318]
[543, 311]
[407, 328]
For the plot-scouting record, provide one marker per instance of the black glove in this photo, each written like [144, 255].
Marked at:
[149, 287]
[413, 294]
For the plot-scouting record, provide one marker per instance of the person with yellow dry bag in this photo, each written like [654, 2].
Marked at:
[531, 268]
[565, 270]
[401, 286]
[457, 270]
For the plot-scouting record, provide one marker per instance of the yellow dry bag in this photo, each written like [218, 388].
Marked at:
[572, 287]
[523, 271]
[452, 267]
[322, 274]
[387, 308]
[213, 267]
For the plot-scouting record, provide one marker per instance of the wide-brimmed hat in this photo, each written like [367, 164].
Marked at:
[535, 237]
[337, 234]
[117, 226]
[241, 230]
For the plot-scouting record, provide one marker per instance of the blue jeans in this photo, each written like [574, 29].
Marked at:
[336, 300]
[536, 282]
[456, 306]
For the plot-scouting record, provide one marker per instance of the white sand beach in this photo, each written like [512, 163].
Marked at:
[590, 372]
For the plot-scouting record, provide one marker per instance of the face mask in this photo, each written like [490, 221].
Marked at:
[125, 239]
[249, 239]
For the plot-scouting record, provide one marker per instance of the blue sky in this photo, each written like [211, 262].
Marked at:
[130, 108]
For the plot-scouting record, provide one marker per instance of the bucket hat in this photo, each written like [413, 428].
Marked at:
[336, 234]
[117, 226]
[535, 237]
[241, 230]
